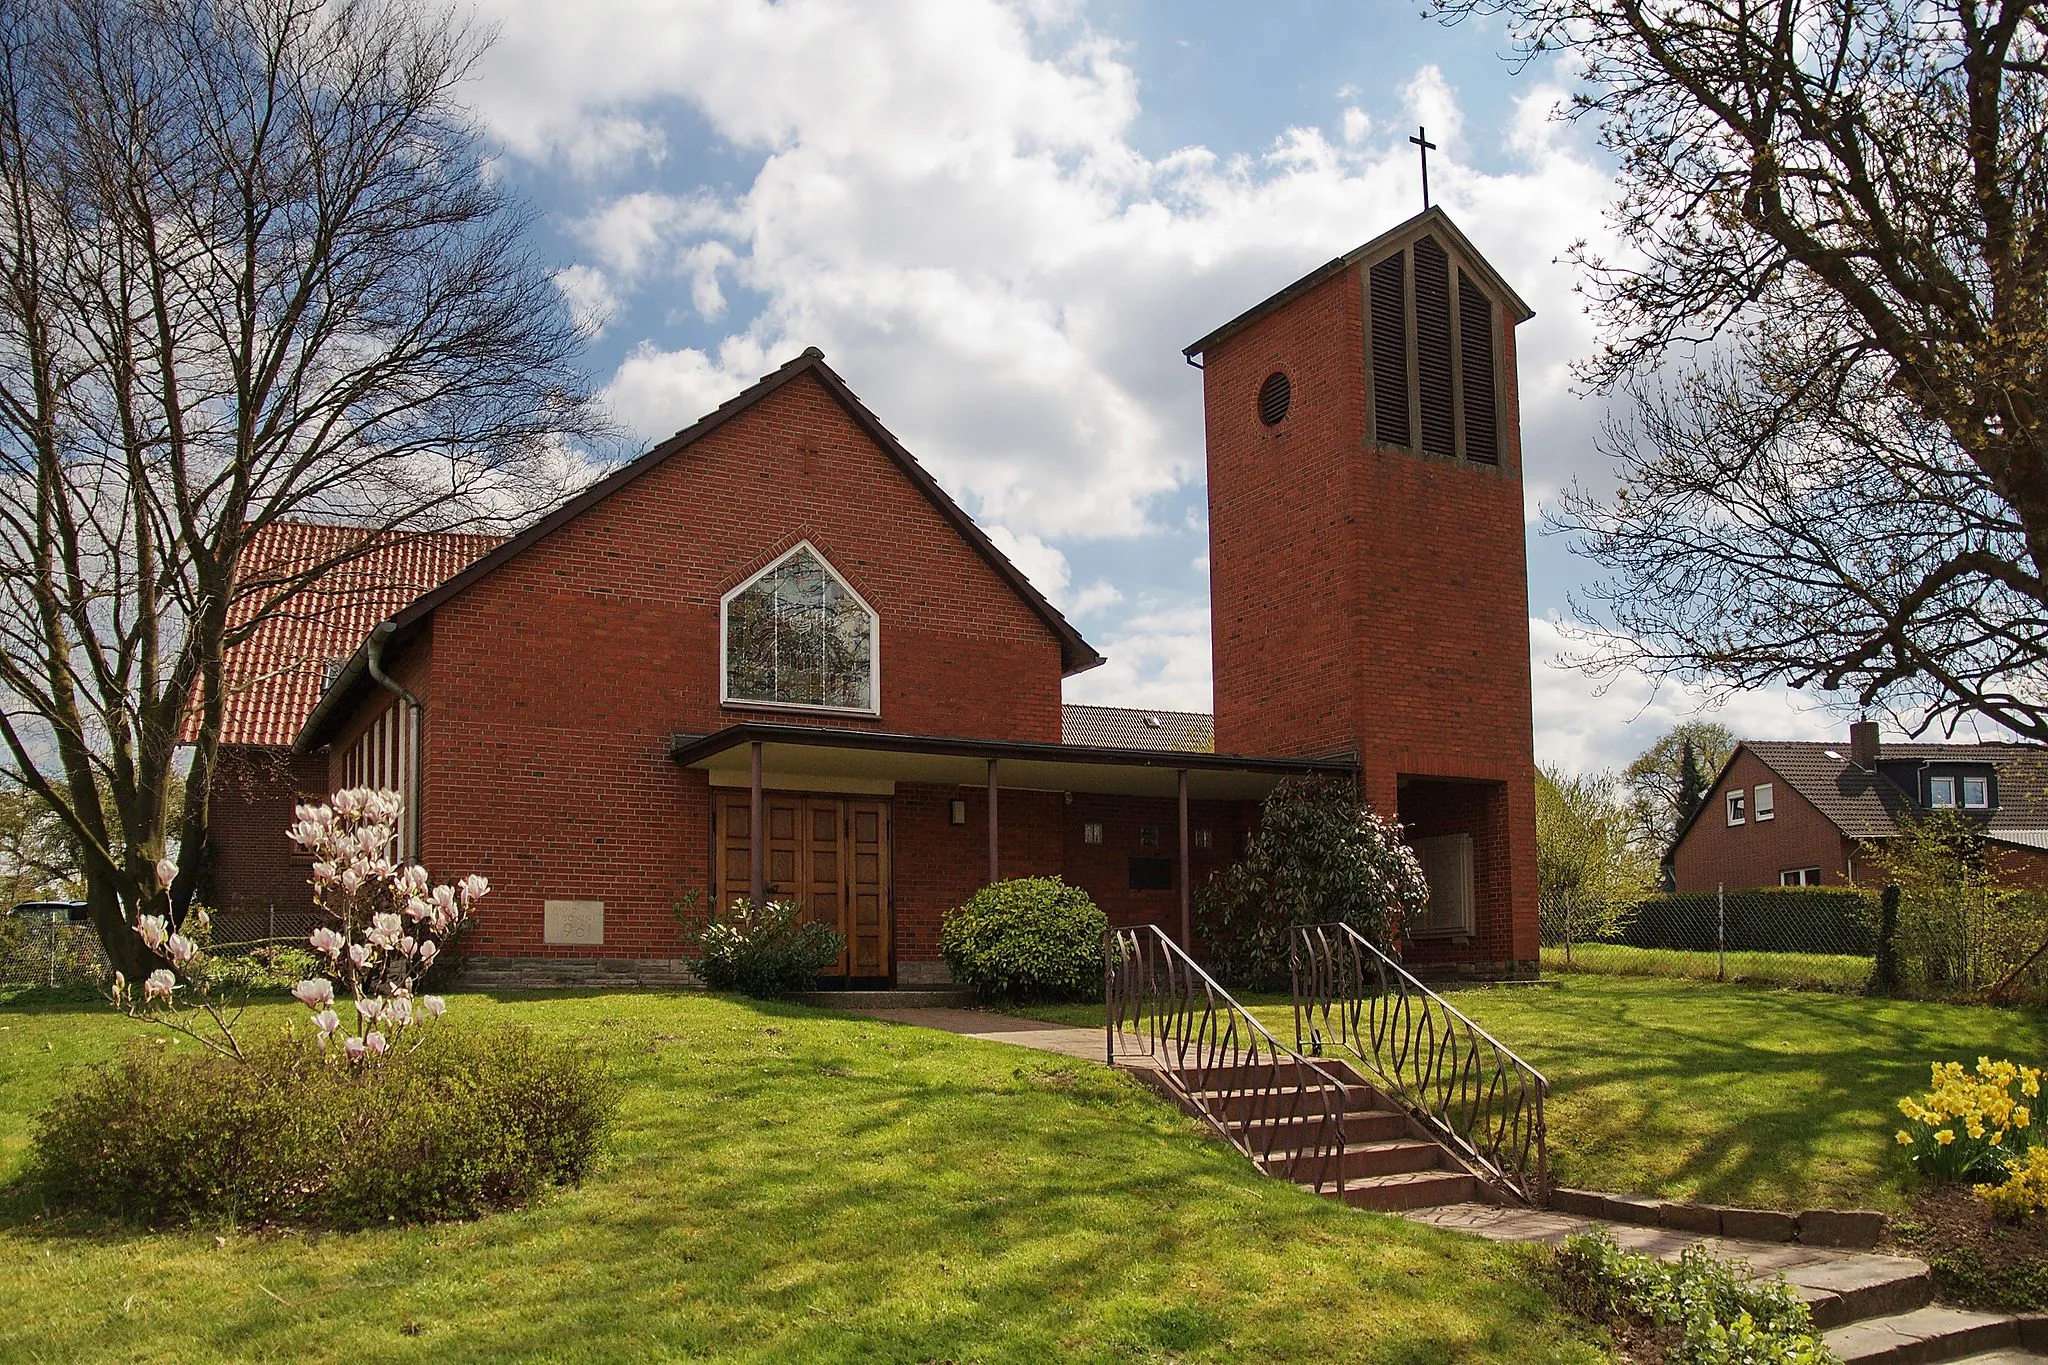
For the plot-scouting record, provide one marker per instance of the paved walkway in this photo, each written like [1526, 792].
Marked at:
[1085, 1043]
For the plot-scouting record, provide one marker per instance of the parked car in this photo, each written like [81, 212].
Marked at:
[68, 912]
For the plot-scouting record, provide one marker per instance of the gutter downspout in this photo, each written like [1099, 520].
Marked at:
[374, 656]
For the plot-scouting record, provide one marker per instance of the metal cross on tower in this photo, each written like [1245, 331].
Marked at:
[1421, 140]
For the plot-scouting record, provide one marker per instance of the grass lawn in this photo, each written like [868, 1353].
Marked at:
[1728, 1094]
[1797, 971]
[788, 1186]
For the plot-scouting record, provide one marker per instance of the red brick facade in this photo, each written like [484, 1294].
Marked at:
[1375, 600]
[1754, 853]
[1368, 602]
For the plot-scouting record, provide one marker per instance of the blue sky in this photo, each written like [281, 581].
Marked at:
[1001, 221]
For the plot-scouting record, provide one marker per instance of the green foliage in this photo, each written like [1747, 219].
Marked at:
[1960, 930]
[1591, 870]
[38, 857]
[1667, 781]
[270, 968]
[463, 1125]
[1885, 975]
[1318, 856]
[1029, 938]
[765, 951]
[1717, 1314]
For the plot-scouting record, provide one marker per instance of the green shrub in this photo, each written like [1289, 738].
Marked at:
[265, 969]
[1706, 1311]
[766, 951]
[1029, 938]
[1318, 856]
[1837, 920]
[465, 1124]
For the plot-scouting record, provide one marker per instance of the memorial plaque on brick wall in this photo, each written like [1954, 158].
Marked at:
[573, 921]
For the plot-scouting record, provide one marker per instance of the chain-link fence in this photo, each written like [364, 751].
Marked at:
[1969, 944]
[1814, 938]
[255, 947]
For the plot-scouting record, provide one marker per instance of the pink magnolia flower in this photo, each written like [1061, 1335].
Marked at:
[444, 900]
[372, 838]
[327, 1021]
[351, 880]
[398, 1011]
[433, 1006]
[180, 949]
[428, 952]
[418, 909]
[475, 887]
[120, 991]
[408, 945]
[159, 985]
[376, 1043]
[328, 941]
[414, 881]
[359, 953]
[385, 930]
[166, 872]
[353, 1046]
[347, 802]
[323, 871]
[369, 1008]
[154, 930]
[200, 918]
[315, 992]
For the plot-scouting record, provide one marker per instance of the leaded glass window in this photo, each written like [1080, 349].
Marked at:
[796, 635]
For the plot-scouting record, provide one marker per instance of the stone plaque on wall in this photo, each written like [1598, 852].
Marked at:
[573, 921]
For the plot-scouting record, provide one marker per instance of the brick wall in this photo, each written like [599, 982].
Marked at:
[254, 790]
[1752, 853]
[1104, 871]
[556, 682]
[1371, 599]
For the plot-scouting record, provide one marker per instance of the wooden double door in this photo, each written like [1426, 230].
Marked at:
[829, 853]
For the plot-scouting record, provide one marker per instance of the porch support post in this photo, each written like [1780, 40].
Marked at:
[756, 882]
[992, 860]
[1187, 939]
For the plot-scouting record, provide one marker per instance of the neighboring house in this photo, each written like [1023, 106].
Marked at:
[1784, 813]
[772, 655]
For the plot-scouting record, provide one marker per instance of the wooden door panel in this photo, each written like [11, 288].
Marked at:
[831, 854]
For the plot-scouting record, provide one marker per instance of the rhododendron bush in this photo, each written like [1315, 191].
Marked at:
[359, 1112]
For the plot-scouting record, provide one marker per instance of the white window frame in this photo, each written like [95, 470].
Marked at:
[874, 706]
[1937, 784]
[1984, 788]
[1764, 806]
[1797, 876]
[1737, 805]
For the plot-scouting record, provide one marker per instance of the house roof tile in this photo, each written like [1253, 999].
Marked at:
[1123, 727]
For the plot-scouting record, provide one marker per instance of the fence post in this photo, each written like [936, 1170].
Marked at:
[1720, 931]
[271, 937]
[1567, 929]
[53, 954]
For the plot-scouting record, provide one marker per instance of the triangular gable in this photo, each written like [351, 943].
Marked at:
[1431, 221]
[1076, 654]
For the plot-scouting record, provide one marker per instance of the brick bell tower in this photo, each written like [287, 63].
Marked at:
[1368, 578]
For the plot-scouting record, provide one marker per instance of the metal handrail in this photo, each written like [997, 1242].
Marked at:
[1262, 1096]
[1464, 1084]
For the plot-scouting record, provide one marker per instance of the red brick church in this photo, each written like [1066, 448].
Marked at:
[772, 654]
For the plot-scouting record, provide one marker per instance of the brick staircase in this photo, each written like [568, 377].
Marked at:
[1387, 1161]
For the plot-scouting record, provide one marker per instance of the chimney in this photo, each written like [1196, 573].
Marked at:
[1863, 744]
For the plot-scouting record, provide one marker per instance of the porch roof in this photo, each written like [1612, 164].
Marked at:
[834, 752]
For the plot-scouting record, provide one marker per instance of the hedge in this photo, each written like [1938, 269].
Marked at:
[1770, 919]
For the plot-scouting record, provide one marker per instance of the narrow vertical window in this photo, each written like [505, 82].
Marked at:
[1390, 422]
[1433, 347]
[1737, 804]
[1766, 802]
[1475, 350]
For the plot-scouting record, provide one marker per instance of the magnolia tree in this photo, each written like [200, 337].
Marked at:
[388, 924]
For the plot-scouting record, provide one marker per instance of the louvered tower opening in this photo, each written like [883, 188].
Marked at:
[1275, 396]
[1475, 350]
[1435, 382]
[1390, 423]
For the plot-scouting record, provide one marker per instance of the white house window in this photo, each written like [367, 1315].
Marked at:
[1766, 803]
[1941, 792]
[797, 634]
[1799, 876]
[1091, 832]
[1737, 801]
[1976, 792]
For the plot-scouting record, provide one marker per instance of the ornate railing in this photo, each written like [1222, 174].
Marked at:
[1458, 1079]
[1259, 1094]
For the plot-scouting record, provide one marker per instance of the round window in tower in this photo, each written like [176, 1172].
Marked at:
[1274, 396]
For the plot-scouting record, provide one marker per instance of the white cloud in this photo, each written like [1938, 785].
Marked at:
[1043, 564]
[1159, 656]
[1094, 599]
[1584, 724]
[950, 204]
[590, 297]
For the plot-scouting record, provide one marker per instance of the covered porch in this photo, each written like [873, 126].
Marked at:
[881, 833]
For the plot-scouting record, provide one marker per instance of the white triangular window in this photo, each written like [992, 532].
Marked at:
[797, 634]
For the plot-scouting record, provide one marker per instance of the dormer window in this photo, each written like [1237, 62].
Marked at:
[1976, 793]
[1941, 793]
[797, 634]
